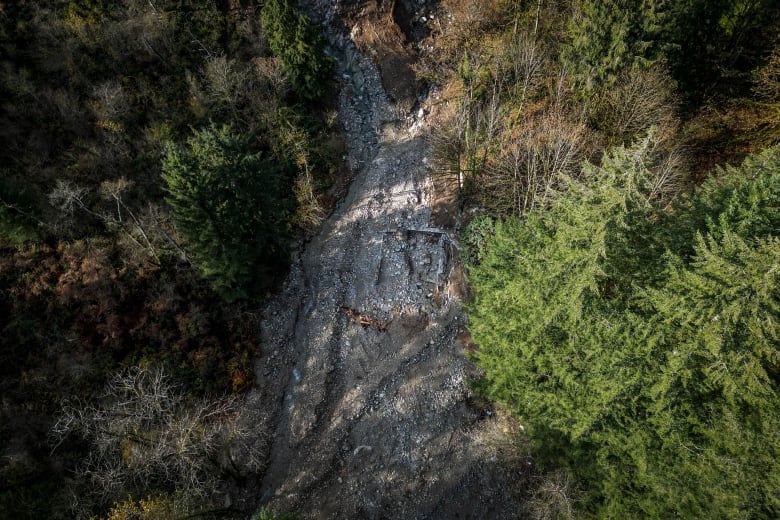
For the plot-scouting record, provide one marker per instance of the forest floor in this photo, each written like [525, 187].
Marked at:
[363, 378]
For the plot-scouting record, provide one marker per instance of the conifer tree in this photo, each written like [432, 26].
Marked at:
[231, 205]
[639, 352]
[297, 42]
[607, 36]
[744, 200]
[712, 412]
[708, 41]
[550, 294]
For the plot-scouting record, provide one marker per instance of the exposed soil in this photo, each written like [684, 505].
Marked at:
[364, 376]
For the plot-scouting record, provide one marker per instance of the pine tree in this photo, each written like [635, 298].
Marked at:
[231, 205]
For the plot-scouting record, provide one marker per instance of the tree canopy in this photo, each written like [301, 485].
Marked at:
[297, 42]
[704, 41]
[231, 205]
[639, 346]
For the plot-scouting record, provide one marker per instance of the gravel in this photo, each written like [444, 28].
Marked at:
[366, 421]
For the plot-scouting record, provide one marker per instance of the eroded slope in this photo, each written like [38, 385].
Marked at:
[363, 374]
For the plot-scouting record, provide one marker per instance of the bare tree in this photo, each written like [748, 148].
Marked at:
[147, 231]
[271, 81]
[225, 80]
[767, 78]
[463, 145]
[525, 173]
[640, 98]
[146, 435]
[110, 101]
[144, 29]
[465, 21]
[113, 191]
[527, 57]
[68, 197]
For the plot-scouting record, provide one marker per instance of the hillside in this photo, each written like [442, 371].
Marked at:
[372, 259]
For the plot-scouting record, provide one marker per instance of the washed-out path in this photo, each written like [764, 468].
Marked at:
[363, 378]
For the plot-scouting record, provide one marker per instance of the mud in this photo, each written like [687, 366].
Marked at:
[364, 377]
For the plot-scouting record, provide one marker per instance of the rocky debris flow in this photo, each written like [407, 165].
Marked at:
[362, 375]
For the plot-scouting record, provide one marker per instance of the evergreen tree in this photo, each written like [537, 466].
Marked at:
[297, 42]
[714, 407]
[639, 352]
[744, 200]
[550, 293]
[232, 205]
[607, 36]
[708, 41]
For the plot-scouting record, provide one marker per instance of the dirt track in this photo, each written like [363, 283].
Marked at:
[363, 375]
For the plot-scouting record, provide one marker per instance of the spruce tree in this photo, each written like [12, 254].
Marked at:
[232, 205]
[300, 46]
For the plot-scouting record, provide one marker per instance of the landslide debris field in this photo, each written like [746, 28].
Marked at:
[363, 380]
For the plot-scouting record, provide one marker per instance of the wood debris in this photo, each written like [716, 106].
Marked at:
[365, 320]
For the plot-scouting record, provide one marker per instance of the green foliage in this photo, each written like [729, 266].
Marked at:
[549, 272]
[92, 271]
[638, 351]
[713, 400]
[475, 237]
[15, 228]
[713, 44]
[231, 205]
[11, 229]
[744, 200]
[299, 44]
[265, 514]
[17, 223]
[607, 36]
